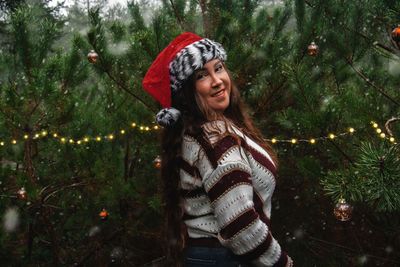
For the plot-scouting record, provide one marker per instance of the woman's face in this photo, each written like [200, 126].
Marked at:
[213, 85]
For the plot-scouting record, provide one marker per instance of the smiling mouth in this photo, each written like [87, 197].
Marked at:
[218, 93]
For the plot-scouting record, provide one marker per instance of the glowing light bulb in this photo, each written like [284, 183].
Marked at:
[331, 136]
[133, 125]
[79, 142]
[55, 135]
[156, 127]
[122, 131]
[378, 131]
[63, 140]
[26, 136]
[382, 135]
[294, 141]
[36, 135]
[86, 139]
[351, 130]
[141, 128]
[375, 125]
[98, 138]
[312, 141]
[2, 143]
[391, 139]
[71, 141]
[44, 133]
[14, 141]
[147, 128]
[273, 140]
[111, 137]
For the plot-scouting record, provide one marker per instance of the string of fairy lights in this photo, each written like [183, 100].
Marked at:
[332, 136]
[151, 128]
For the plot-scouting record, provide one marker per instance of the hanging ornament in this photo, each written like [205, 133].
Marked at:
[312, 49]
[104, 214]
[396, 35]
[22, 194]
[157, 162]
[92, 56]
[343, 210]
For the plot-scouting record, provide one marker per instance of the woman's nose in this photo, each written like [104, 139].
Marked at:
[216, 81]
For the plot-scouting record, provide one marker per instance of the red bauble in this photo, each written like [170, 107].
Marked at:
[312, 49]
[104, 214]
[22, 194]
[343, 210]
[92, 56]
[396, 35]
[157, 162]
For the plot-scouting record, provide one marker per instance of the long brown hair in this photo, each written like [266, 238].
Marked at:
[193, 114]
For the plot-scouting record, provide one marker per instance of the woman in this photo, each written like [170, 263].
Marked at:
[218, 173]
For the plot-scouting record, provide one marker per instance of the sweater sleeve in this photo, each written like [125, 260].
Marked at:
[229, 186]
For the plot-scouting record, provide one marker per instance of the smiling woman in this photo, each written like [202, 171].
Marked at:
[218, 174]
[213, 86]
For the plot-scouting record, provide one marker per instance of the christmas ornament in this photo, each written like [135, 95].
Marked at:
[92, 56]
[22, 194]
[396, 35]
[343, 210]
[312, 49]
[103, 214]
[157, 162]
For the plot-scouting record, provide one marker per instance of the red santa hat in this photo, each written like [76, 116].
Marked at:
[185, 54]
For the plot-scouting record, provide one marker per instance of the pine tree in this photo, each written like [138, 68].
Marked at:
[304, 103]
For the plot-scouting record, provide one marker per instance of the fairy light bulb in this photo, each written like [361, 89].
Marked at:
[312, 141]
[44, 133]
[110, 136]
[133, 125]
[98, 138]
[273, 140]
[351, 130]
[331, 136]
[391, 139]
[122, 131]
[375, 125]
[382, 135]
[378, 131]
[55, 135]
[147, 128]
[26, 136]
[293, 141]
[79, 142]
[71, 141]
[86, 139]
[36, 135]
[1, 143]
[156, 127]
[63, 140]
[13, 141]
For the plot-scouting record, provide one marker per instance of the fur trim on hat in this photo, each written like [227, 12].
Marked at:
[168, 117]
[191, 58]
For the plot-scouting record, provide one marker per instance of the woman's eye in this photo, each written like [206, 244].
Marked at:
[200, 76]
[218, 68]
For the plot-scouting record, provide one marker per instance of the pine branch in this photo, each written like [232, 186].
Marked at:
[368, 81]
[178, 18]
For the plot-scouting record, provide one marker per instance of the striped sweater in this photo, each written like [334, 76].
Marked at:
[227, 184]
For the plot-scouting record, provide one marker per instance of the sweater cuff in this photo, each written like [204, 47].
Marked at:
[282, 260]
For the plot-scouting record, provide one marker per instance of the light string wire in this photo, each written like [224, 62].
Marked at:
[153, 127]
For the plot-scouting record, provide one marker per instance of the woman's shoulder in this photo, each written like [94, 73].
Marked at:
[217, 130]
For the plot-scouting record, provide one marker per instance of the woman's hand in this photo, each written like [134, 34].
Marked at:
[289, 262]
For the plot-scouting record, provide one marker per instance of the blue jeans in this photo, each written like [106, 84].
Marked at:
[207, 256]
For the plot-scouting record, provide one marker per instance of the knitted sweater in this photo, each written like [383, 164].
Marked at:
[227, 184]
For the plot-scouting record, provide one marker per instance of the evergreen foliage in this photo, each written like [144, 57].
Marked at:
[47, 84]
